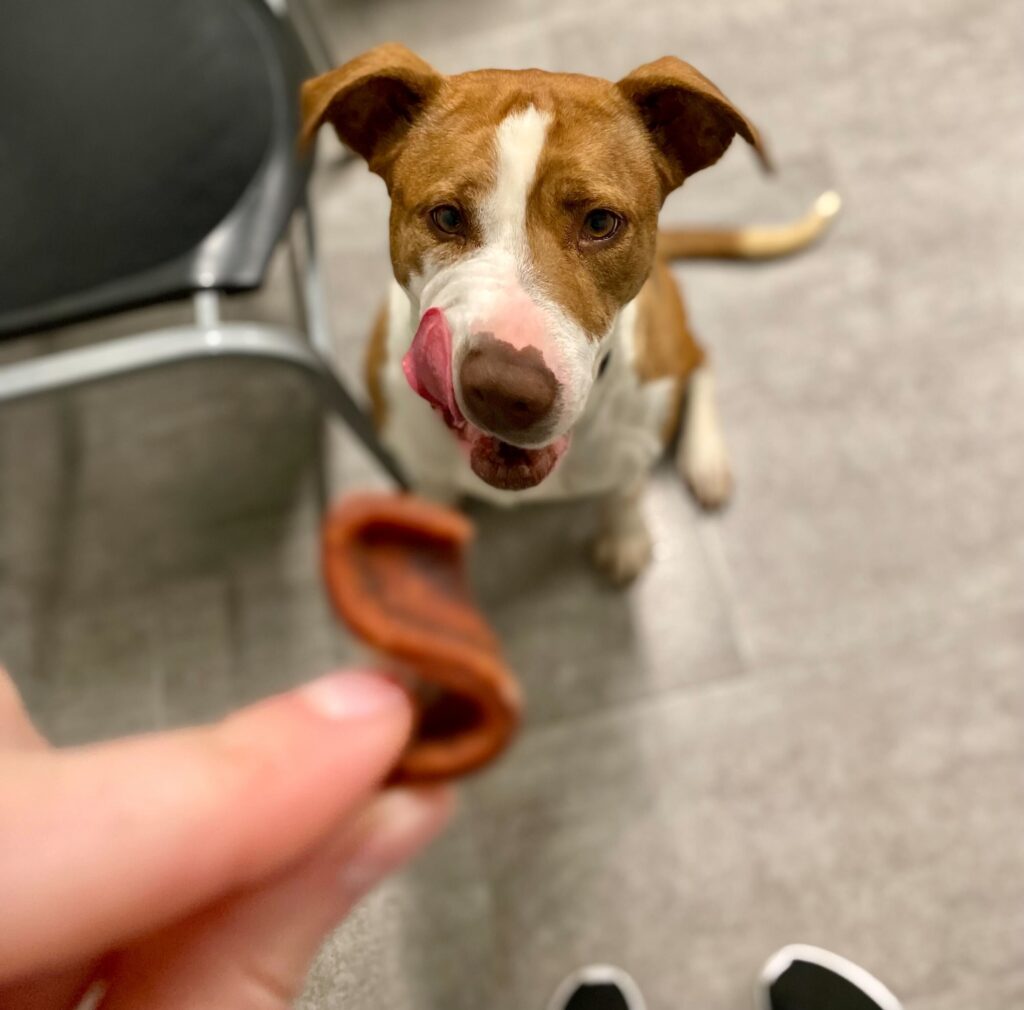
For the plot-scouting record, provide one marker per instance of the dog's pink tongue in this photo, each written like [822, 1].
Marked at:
[428, 365]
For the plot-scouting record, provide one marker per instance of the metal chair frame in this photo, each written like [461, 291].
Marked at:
[211, 337]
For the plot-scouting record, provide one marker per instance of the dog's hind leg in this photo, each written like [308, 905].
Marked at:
[702, 457]
[623, 546]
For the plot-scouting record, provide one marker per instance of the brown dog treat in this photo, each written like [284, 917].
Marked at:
[395, 570]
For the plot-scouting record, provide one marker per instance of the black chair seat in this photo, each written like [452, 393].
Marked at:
[147, 149]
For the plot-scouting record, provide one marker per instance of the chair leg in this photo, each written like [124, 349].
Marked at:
[207, 309]
[308, 282]
[307, 304]
[311, 31]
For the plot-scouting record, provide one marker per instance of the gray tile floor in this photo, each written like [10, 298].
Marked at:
[807, 722]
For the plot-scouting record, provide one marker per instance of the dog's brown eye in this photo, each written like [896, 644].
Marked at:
[599, 224]
[448, 219]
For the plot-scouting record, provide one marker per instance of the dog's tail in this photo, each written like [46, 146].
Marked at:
[756, 242]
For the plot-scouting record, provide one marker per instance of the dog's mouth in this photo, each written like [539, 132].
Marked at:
[511, 467]
[428, 370]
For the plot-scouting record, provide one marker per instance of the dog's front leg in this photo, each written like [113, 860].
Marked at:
[623, 546]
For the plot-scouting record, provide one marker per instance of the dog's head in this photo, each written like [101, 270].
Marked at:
[524, 209]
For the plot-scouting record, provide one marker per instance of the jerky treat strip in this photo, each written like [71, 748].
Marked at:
[395, 570]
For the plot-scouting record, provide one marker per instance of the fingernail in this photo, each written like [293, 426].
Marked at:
[396, 827]
[344, 696]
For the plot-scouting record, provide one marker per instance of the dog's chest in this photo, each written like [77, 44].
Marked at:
[614, 443]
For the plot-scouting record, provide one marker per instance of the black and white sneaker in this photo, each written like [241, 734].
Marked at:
[801, 977]
[598, 987]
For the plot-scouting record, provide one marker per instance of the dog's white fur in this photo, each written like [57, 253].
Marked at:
[519, 141]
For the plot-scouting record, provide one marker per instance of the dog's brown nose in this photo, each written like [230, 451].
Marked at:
[506, 391]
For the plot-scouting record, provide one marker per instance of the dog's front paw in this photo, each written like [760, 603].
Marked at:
[704, 464]
[621, 555]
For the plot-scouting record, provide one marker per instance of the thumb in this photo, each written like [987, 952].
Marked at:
[113, 841]
[254, 949]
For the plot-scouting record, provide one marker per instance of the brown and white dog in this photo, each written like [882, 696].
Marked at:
[534, 345]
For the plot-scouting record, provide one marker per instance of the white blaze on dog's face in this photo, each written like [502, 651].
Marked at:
[523, 218]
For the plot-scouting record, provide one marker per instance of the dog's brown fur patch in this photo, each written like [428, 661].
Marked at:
[665, 345]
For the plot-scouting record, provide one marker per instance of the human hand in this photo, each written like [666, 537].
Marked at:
[200, 867]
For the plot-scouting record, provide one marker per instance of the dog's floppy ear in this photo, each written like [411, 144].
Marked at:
[371, 101]
[690, 120]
